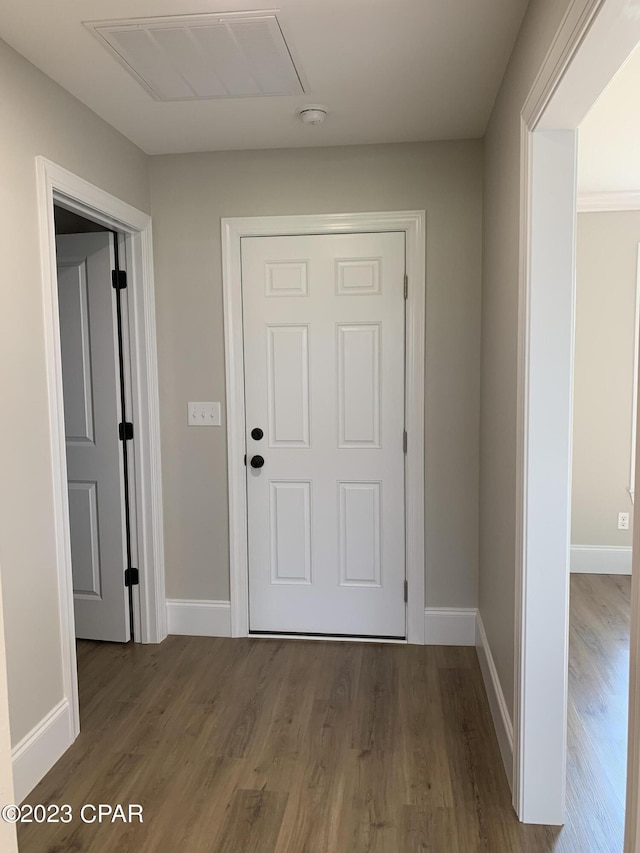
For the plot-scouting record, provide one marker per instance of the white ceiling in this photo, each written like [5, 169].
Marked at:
[388, 70]
[609, 137]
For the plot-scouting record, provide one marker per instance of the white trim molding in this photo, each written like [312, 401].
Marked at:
[575, 24]
[593, 202]
[594, 39]
[632, 805]
[450, 626]
[194, 618]
[40, 748]
[413, 224]
[497, 703]
[544, 484]
[634, 390]
[57, 185]
[601, 559]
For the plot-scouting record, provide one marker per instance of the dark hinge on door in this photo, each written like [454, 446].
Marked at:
[406, 285]
[406, 591]
[125, 431]
[119, 279]
[131, 577]
[404, 441]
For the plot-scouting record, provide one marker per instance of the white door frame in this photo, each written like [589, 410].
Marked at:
[595, 38]
[412, 223]
[56, 184]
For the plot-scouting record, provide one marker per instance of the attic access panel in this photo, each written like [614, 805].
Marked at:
[195, 57]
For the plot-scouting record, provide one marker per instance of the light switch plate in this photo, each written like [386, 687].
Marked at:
[204, 414]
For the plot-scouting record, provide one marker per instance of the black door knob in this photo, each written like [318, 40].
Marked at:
[256, 433]
[257, 461]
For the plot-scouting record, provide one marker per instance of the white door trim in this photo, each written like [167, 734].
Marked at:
[413, 225]
[594, 39]
[57, 184]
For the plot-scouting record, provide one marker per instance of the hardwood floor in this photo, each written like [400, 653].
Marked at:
[269, 746]
[598, 707]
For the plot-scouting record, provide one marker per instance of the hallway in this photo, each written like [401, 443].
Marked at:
[285, 746]
[269, 746]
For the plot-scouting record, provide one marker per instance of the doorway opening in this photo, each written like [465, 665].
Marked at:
[59, 188]
[603, 474]
[96, 378]
[594, 41]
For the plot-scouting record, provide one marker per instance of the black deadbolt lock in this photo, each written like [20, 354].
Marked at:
[256, 433]
[257, 461]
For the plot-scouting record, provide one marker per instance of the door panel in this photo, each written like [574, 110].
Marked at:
[290, 518]
[288, 385]
[359, 385]
[73, 300]
[360, 534]
[324, 378]
[90, 375]
[85, 540]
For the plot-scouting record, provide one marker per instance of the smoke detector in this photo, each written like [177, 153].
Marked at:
[312, 114]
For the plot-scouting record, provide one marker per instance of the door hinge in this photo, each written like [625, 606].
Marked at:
[404, 441]
[119, 279]
[406, 285]
[131, 577]
[125, 431]
[406, 591]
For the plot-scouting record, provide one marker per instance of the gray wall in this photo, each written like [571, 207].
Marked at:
[190, 193]
[607, 256]
[501, 222]
[39, 118]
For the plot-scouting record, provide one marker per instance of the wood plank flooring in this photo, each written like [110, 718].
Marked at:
[289, 746]
[598, 708]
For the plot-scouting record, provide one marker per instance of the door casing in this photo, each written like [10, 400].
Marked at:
[594, 39]
[57, 185]
[413, 224]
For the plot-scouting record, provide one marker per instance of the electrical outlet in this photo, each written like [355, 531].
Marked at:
[204, 414]
[623, 521]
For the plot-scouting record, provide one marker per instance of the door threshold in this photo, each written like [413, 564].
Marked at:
[340, 638]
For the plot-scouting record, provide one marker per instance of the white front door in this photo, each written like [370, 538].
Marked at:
[91, 387]
[324, 343]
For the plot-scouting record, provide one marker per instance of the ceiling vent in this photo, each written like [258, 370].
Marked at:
[235, 55]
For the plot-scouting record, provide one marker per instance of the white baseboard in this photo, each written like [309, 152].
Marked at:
[600, 560]
[39, 750]
[449, 626]
[199, 618]
[499, 712]
[444, 626]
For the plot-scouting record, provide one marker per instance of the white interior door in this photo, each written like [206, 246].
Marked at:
[324, 343]
[90, 374]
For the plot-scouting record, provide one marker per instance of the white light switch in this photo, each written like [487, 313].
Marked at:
[204, 414]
